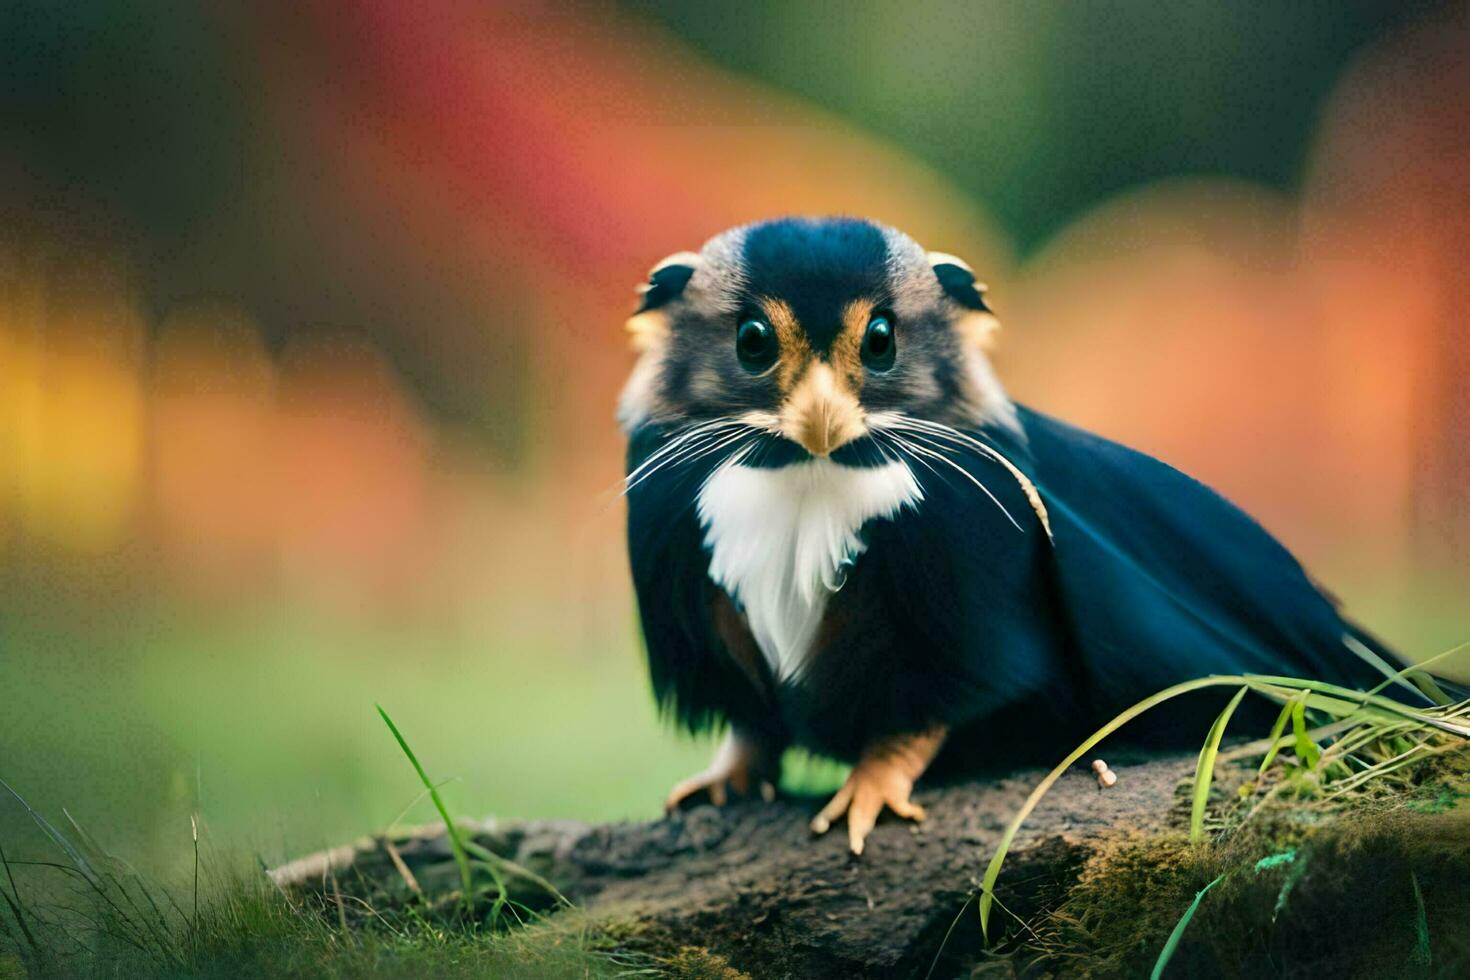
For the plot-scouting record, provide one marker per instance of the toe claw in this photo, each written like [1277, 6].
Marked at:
[835, 808]
[683, 791]
[870, 787]
[861, 818]
[735, 769]
[907, 809]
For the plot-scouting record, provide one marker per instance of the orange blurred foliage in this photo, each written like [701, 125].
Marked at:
[1307, 357]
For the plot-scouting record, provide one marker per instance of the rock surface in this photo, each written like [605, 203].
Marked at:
[751, 883]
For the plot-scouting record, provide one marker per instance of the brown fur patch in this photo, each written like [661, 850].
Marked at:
[732, 628]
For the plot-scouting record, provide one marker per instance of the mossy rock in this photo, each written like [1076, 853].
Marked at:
[1093, 886]
[1366, 895]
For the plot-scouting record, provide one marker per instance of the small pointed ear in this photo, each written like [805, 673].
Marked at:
[958, 281]
[666, 281]
[977, 324]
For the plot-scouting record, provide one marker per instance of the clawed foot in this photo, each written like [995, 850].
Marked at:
[884, 776]
[873, 785]
[737, 766]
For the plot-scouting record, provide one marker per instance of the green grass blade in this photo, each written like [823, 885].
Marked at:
[1167, 953]
[1426, 683]
[456, 842]
[1274, 738]
[1375, 661]
[1338, 707]
[17, 907]
[1204, 773]
[1383, 704]
[57, 837]
[1422, 668]
[497, 908]
[1306, 749]
[1421, 954]
[505, 864]
[992, 870]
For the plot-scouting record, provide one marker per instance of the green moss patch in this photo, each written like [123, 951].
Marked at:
[1377, 888]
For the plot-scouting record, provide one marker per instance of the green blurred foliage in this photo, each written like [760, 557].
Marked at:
[1042, 109]
[140, 107]
[134, 724]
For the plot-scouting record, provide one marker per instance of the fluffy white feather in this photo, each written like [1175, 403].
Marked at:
[779, 540]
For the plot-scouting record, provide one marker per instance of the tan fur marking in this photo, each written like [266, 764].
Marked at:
[847, 347]
[820, 410]
[795, 352]
[821, 413]
[977, 329]
[647, 329]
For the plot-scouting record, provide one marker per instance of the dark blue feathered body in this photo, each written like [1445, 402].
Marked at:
[1020, 644]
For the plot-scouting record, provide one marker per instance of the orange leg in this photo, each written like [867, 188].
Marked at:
[884, 776]
[741, 764]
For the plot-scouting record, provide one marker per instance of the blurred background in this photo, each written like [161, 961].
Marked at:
[310, 335]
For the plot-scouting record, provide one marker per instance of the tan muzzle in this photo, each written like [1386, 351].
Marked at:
[821, 414]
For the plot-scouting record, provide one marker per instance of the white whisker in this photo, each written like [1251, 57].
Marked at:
[902, 447]
[680, 438]
[711, 442]
[939, 430]
[939, 456]
[686, 452]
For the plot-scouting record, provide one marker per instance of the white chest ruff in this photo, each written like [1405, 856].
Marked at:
[779, 540]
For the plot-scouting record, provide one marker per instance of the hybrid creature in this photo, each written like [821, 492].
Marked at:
[844, 536]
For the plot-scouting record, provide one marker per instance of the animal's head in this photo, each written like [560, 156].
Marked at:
[817, 332]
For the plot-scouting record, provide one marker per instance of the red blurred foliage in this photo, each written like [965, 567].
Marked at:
[1289, 354]
[1307, 357]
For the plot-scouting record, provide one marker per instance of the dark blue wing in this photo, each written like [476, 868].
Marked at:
[1164, 580]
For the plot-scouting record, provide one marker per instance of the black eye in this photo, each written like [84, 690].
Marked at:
[879, 345]
[755, 343]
